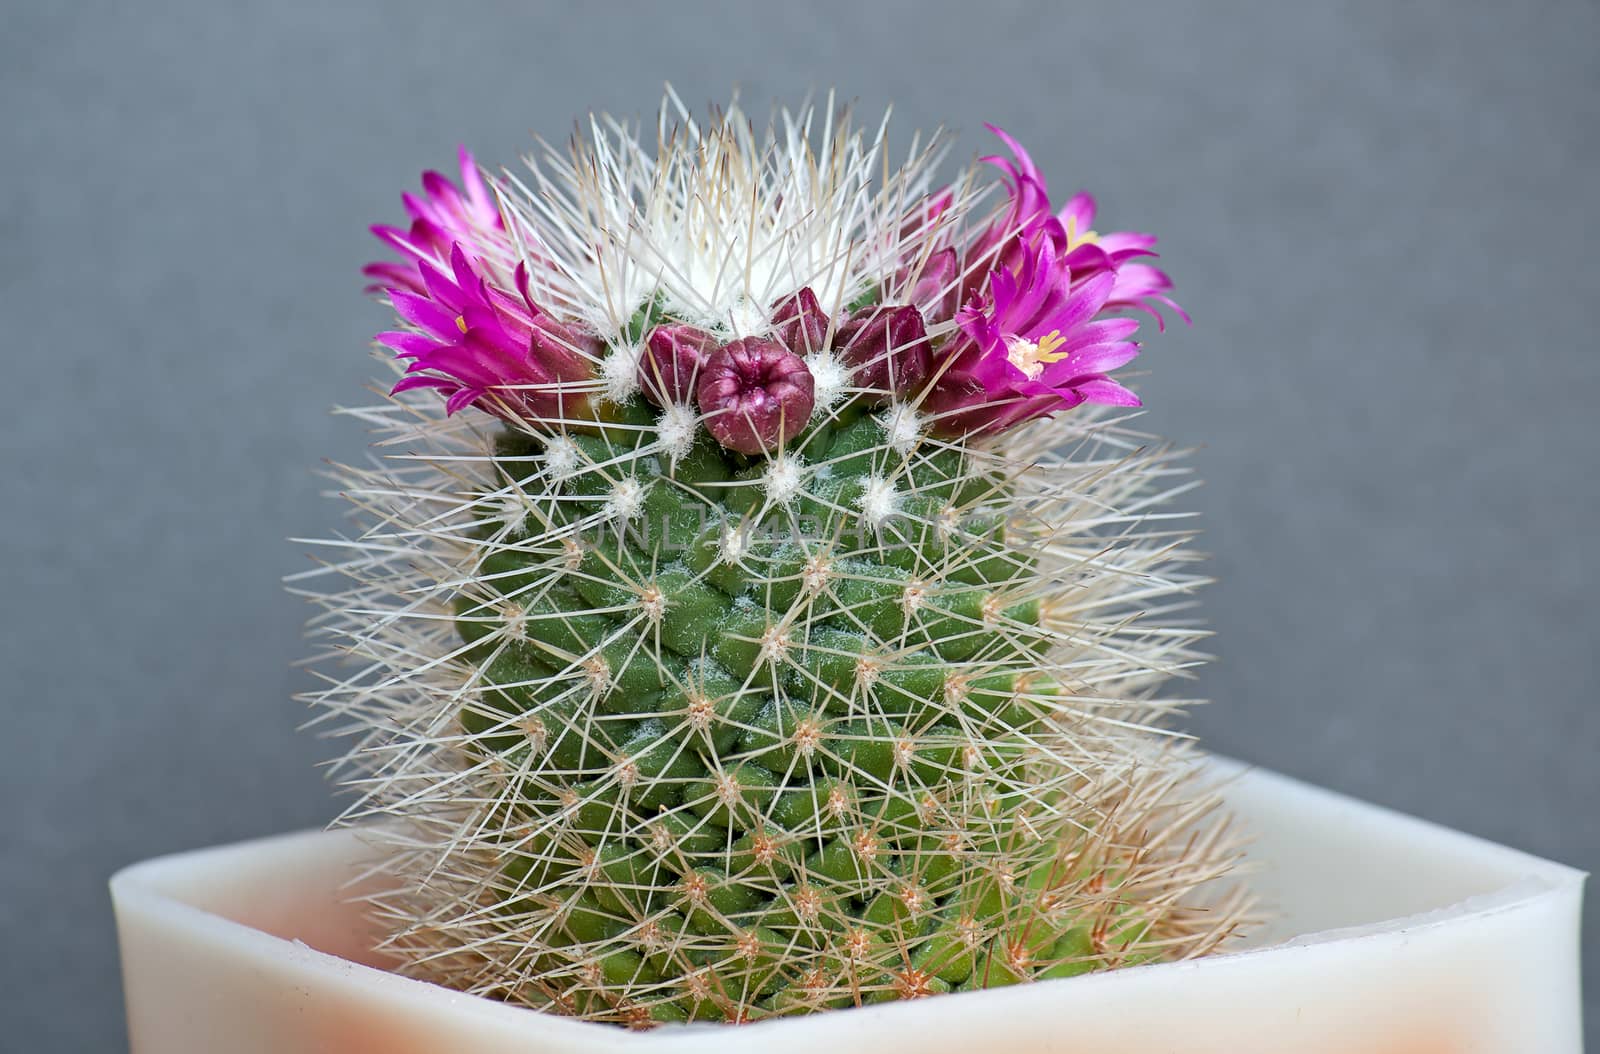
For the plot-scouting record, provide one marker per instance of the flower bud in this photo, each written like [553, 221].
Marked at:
[755, 394]
[888, 349]
[799, 323]
[671, 363]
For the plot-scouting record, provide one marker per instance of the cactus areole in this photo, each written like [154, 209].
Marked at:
[757, 616]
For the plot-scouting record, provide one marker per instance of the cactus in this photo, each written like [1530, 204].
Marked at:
[744, 645]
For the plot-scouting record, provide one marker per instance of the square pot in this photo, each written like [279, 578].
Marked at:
[1389, 936]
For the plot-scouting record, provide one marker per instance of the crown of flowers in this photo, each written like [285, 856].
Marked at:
[748, 284]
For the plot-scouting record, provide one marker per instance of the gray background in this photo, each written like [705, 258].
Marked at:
[1382, 217]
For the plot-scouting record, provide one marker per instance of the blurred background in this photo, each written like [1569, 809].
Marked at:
[1381, 216]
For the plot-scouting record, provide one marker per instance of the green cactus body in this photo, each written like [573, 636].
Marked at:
[667, 732]
[757, 722]
[721, 745]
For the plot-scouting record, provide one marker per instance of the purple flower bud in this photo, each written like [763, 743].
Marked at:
[671, 362]
[756, 394]
[887, 347]
[799, 323]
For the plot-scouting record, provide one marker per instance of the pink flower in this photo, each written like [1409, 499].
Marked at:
[442, 217]
[1033, 346]
[1070, 233]
[1091, 253]
[932, 286]
[476, 337]
[1044, 322]
[479, 345]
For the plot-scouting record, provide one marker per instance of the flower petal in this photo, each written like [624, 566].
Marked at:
[1106, 392]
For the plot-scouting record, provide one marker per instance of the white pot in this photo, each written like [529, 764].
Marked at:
[1392, 936]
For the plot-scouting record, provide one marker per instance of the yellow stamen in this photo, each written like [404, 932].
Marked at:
[461, 323]
[1048, 345]
[1074, 239]
[1030, 356]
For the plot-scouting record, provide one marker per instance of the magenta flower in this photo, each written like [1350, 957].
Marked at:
[756, 395]
[479, 345]
[442, 217]
[473, 339]
[1091, 253]
[1043, 327]
[1029, 211]
[932, 286]
[1070, 233]
[1034, 345]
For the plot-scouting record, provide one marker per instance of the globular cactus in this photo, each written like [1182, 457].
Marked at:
[755, 640]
